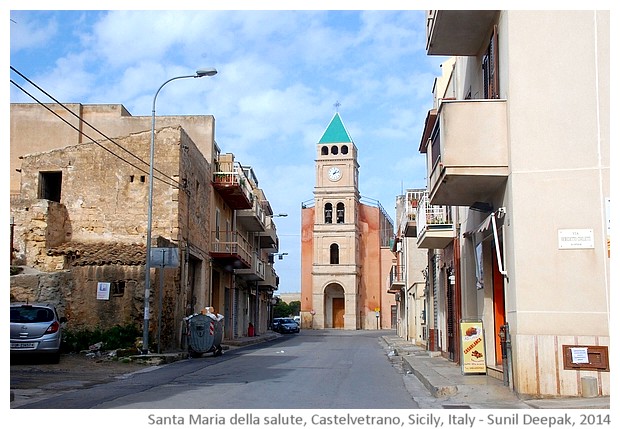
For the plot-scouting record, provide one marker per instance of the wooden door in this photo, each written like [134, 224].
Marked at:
[338, 312]
[499, 308]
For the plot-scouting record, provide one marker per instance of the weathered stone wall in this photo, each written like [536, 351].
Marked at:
[106, 194]
[105, 200]
[39, 225]
[74, 293]
[35, 129]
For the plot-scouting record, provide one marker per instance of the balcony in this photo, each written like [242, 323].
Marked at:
[436, 230]
[268, 239]
[231, 182]
[271, 280]
[409, 224]
[458, 32]
[467, 152]
[255, 272]
[397, 278]
[253, 219]
[230, 249]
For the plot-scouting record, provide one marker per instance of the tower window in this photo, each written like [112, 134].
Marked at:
[334, 254]
[340, 213]
[334, 150]
[324, 150]
[328, 213]
[344, 150]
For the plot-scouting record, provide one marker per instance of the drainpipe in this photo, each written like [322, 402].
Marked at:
[12, 235]
[256, 318]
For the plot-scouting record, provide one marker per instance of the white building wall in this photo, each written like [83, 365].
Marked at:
[554, 74]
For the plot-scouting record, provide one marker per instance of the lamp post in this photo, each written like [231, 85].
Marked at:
[149, 226]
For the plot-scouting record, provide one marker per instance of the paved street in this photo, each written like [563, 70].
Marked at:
[315, 369]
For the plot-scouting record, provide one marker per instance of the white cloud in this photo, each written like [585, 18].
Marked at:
[30, 33]
[280, 73]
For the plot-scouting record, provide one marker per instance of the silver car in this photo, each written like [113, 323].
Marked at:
[36, 329]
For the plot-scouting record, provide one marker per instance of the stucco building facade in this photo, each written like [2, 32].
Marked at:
[518, 159]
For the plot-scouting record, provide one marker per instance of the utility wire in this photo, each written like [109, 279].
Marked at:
[175, 182]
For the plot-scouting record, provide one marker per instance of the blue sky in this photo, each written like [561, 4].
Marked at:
[280, 74]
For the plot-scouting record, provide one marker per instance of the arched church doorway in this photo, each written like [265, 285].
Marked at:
[334, 306]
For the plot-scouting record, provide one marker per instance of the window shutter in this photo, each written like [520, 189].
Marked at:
[493, 66]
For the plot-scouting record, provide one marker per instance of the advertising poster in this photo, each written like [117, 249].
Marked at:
[472, 346]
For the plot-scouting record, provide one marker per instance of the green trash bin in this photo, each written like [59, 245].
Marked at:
[204, 334]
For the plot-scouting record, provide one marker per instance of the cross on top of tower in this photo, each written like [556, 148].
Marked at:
[337, 105]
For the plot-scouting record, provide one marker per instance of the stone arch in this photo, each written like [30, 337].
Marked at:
[334, 305]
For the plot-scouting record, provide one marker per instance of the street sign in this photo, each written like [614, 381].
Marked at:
[167, 257]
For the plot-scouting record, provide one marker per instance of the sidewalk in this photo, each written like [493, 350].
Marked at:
[452, 389]
[247, 341]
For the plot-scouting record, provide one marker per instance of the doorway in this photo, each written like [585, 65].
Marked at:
[499, 306]
[338, 312]
[334, 305]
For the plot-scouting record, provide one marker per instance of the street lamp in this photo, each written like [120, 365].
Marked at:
[149, 226]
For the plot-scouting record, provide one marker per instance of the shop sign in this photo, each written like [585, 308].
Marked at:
[472, 345]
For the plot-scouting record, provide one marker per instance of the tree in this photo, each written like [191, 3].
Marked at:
[281, 309]
[295, 307]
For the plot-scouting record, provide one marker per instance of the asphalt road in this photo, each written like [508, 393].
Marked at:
[312, 370]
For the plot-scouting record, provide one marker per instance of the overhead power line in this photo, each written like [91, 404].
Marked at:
[174, 183]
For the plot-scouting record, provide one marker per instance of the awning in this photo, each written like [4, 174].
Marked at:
[483, 226]
[490, 221]
[486, 223]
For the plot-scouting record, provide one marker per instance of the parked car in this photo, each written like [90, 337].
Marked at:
[36, 329]
[274, 324]
[286, 325]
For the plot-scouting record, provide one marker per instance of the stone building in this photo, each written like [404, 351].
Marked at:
[345, 244]
[80, 215]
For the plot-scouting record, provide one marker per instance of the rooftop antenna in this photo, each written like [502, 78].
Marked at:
[337, 105]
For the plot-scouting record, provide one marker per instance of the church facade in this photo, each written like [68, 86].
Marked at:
[345, 244]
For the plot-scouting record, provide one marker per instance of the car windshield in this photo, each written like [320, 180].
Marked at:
[28, 314]
[287, 320]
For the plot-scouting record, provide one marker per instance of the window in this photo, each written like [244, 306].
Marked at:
[50, 185]
[334, 254]
[340, 213]
[344, 150]
[118, 288]
[328, 213]
[324, 150]
[217, 224]
[490, 68]
[334, 150]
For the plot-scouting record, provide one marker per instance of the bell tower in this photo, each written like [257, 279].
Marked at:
[336, 257]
